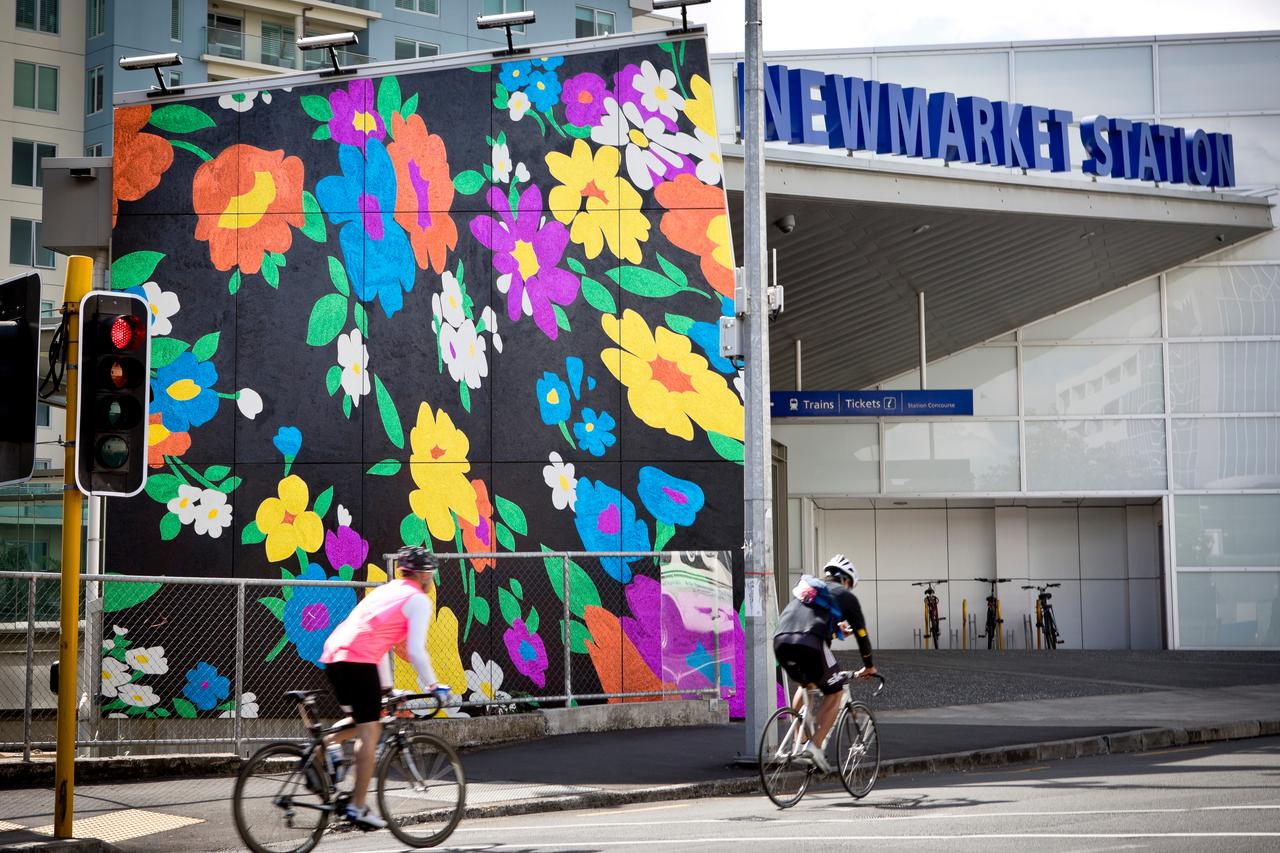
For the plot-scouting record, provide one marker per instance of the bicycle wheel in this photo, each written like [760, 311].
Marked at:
[280, 802]
[991, 629]
[1050, 630]
[784, 772]
[857, 748]
[421, 790]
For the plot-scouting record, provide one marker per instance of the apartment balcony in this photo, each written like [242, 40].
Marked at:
[338, 15]
[234, 54]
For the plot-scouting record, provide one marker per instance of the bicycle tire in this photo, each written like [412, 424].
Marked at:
[783, 777]
[1050, 630]
[991, 629]
[857, 749]
[422, 790]
[283, 767]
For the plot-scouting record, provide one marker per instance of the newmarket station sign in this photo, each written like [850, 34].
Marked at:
[867, 115]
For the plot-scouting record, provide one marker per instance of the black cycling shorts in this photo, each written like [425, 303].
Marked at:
[358, 688]
[808, 660]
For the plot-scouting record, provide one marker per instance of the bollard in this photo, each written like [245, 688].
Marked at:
[915, 638]
[964, 623]
[926, 624]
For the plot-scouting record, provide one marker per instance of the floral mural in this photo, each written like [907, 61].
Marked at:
[471, 308]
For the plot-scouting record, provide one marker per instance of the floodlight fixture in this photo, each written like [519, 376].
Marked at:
[330, 42]
[506, 20]
[154, 61]
[663, 5]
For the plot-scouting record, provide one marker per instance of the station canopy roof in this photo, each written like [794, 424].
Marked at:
[992, 251]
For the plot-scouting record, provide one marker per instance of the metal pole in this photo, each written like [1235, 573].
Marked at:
[238, 734]
[31, 674]
[923, 384]
[568, 635]
[79, 275]
[92, 651]
[758, 550]
[798, 382]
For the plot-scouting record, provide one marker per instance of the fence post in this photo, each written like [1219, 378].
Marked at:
[715, 631]
[568, 634]
[31, 656]
[239, 688]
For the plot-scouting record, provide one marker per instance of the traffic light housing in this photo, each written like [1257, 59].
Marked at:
[113, 377]
[19, 376]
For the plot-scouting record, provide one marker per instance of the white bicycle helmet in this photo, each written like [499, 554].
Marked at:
[839, 567]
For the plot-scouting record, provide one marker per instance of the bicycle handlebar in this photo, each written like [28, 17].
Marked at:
[849, 675]
[928, 583]
[993, 580]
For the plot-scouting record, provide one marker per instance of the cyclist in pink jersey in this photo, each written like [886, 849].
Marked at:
[359, 668]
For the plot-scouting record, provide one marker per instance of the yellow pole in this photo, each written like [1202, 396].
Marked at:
[964, 624]
[926, 624]
[999, 627]
[79, 282]
[1039, 624]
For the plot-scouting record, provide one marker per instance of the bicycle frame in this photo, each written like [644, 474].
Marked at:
[1045, 619]
[995, 622]
[931, 617]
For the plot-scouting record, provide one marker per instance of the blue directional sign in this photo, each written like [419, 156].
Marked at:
[873, 404]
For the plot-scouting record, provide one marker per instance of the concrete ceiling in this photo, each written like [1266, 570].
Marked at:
[991, 252]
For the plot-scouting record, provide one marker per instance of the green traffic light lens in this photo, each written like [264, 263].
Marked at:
[112, 452]
[119, 412]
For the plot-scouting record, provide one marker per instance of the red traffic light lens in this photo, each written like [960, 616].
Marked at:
[124, 333]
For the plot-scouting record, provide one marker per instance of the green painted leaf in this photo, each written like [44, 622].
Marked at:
[729, 448]
[278, 259]
[582, 590]
[328, 316]
[578, 636]
[673, 272]
[501, 97]
[679, 323]
[390, 417]
[389, 99]
[163, 488]
[517, 589]
[512, 515]
[338, 275]
[346, 572]
[509, 606]
[321, 133]
[204, 348]
[184, 708]
[464, 394]
[410, 106]
[215, 473]
[251, 535]
[385, 468]
[598, 296]
[513, 197]
[662, 534]
[322, 503]
[179, 118]
[119, 596]
[562, 319]
[275, 605]
[531, 621]
[577, 132]
[643, 282]
[362, 319]
[503, 534]
[194, 149]
[277, 649]
[313, 223]
[333, 379]
[482, 69]
[134, 269]
[413, 530]
[575, 265]
[468, 182]
[346, 407]
[317, 107]
[270, 272]
[165, 350]
[480, 608]
[160, 712]
[170, 526]
[488, 171]
[233, 283]
[229, 485]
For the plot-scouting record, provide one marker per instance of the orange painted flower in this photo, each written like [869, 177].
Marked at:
[424, 191]
[140, 159]
[696, 222]
[247, 198]
[618, 663]
[162, 443]
[478, 537]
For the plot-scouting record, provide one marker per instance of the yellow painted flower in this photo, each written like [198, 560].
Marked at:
[594, 198]
[442, 648]
[287, 522]
[699, 108]
[439, 465]
[668, 384]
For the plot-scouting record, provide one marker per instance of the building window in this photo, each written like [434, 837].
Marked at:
[97, 17]
[175, 20]
[175, 78]
[499, 7]
[42, 464]
[24, 245]
[426, 7]
[225, 36]
[93, 91]
[278, 45]
[42, 414]
[594, 22]
[38, 15]
[46, 309]
[26, 161]
[410, 49]
[94, 150]
[35, 86]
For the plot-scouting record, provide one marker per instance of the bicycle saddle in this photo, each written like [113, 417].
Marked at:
[302, 695]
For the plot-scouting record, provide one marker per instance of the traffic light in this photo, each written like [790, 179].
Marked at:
[113, 383]
[19, 372]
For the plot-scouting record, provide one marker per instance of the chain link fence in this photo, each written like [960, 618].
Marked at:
[188, 665]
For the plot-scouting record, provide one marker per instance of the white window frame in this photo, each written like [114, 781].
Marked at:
[595, 20]
[38, 5]
[94, 150]
[35, 165]
[417, 48]
[415, 6]
[95, 96]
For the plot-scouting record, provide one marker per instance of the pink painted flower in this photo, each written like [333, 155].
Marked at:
[583, 96]
[527, 652]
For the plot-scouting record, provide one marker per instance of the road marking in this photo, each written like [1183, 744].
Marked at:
[1171, 751]
[1028, 769]
[124, 825]
[645, 809]
[6, 826]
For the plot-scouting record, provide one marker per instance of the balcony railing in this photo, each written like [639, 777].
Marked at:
[278, 52]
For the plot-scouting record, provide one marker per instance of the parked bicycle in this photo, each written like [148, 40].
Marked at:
[931, 617]
[786, 769]
[285, 793]
[1046, 624]
[995, 623]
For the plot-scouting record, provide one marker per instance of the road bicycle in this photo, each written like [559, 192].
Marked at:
[285, 793]
[1046, 624]
[995, 624]
[785, 766]
[931, 617]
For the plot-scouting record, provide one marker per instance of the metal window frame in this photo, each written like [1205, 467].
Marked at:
[415, 7]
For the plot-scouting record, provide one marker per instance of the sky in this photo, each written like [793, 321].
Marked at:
[818, 24]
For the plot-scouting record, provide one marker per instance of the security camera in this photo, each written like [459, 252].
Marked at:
[786, 224]
[154, 60]
[328, 40]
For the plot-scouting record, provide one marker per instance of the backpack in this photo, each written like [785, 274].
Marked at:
[815, 593]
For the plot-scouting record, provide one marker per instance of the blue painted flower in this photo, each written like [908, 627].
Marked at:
[515, 75]
[312, 612]
[669, 499]
[606, 521]
[376, 250]
[182, 392]
[204, 687]
[707, 337]
[553, 399]
[551, 63]
[288, 441]
[595, 432]
[543, 90]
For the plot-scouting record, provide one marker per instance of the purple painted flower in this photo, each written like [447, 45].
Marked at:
[354, 117]
[525, 254]
[626, 92]
[527, 652]
[583, 96]
[345, 547]
[643, 626]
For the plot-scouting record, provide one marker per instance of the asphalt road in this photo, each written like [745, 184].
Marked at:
[1220, 797]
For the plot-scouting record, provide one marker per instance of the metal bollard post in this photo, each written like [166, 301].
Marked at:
[568, 651]
[31, 656]
[238, 733]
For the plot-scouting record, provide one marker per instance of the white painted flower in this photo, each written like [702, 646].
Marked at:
[117, 716]
[248, 708]
[163, 304]
[249, 402]
[489, 322]
[149, 661]
[213, 515]
[522, 173]
[657, 90]
[242, 102]
[138, 695]
[650, 149]
[353, 358]
[344, 516]
[483, 679]
[115, 674]
[184, 505]
[447, 304]
[464, 351]
[500, 160]
[740, 386]
[706, 151]
[559, 476]
[517, 105]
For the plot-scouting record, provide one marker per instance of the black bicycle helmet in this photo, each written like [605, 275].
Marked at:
[415, 559]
